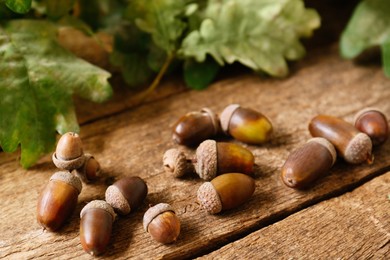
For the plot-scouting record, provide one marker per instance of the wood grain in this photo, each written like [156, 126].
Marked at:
[132, 142]
[353, 226]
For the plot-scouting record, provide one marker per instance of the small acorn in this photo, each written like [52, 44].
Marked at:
[161, 222]
[69, 152]
[226, 191]
[308, 163]
[90, 170]
[372, 122]
[195, 127]
[126, 194]
[246, 125]
[354, 146]
[58, 200]
[96, 222]
[212, 158]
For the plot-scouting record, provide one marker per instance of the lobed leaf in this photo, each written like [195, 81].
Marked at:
[162, 19]
[38, 80]
[369, 26]
[261, 34]
[19, 6]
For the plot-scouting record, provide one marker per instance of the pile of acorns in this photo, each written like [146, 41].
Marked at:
[58, 200]
[227, 167]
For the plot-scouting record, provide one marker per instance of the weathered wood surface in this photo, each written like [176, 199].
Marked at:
[132, 142]
[355, 225]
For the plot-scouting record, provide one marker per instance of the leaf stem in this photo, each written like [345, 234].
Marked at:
[157, 79]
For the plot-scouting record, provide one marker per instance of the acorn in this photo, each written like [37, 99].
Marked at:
[90, 171]
[226, 191]
[58, 200]
[96, 222]
[308, 163]
[246, 125]
[354, 146]
[195, 127]
[212, 158]
[161, 222]
[69, 152]
[127, 194]
[372, 122]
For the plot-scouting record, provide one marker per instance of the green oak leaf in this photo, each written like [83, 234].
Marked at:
[199, 75]
[19, 6]
[260, 34]
[369, 26]
[163, 19]
[38, 79]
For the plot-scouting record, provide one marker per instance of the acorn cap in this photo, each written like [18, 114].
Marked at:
[175, 162]
[116, 199]
[328, 145]
[213, 117]
[226, 115]
[68, 178]
[98, 204]
[365, 110]
[206, 160]
[68, 164]
[154, 211]
[359, 149]
[209, 199]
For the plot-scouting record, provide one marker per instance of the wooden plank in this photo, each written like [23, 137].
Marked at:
[353, 226]
[133, 142]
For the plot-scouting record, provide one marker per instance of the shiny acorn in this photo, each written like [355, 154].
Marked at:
[354, 146]
[58, 200]
[161, 222]
[126, 194]
[69, 152]
[90, 171]
[212, 158]
[308, 163]
[96, 222]
[225, 192]
[246, 125]
[372, 122]
[195, 127]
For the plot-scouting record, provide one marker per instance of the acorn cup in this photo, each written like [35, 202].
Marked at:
[246, 125]
[212, 158]
[226, 191]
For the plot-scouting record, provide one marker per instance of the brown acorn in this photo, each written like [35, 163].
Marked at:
[372, 122]
[69, 152]
[161, 222]
[90, 170]
[195, 127]
[212, 158]
[127, 194]
[96, 222]
[246, 125]
[58, 200]
[354, 146]
[308, 163]
[226, 191]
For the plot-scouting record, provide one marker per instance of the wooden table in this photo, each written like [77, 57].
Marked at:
[344, 215]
